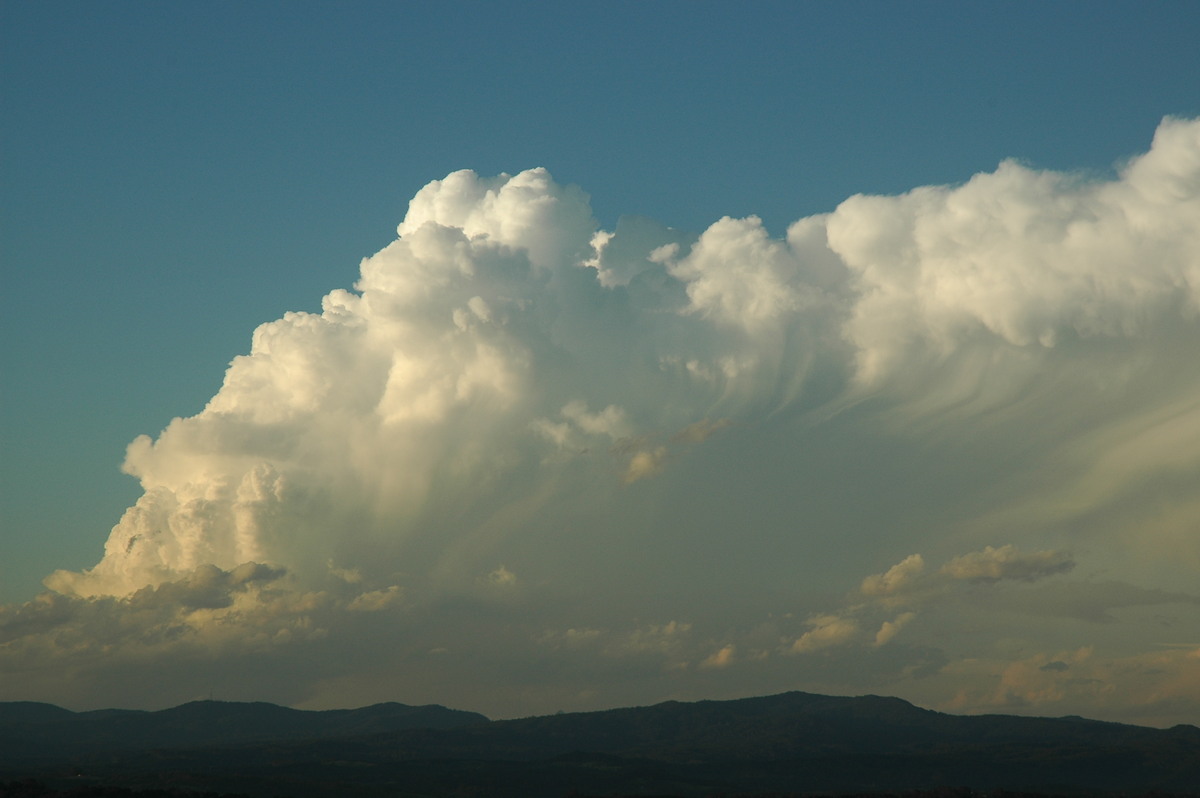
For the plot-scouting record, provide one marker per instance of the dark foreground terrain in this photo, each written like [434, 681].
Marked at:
[786, 745]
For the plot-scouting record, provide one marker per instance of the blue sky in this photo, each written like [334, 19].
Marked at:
[175, 175]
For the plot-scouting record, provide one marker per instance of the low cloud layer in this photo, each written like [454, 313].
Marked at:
[613, 466]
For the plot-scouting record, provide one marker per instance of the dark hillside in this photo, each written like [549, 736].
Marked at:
[31, 732]
[789, 744]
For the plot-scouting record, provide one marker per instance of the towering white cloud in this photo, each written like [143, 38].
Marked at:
[507, 382]
[1024, 257]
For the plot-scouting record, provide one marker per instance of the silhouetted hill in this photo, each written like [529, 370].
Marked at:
[14, 712]
[32, 732]
[795, 743]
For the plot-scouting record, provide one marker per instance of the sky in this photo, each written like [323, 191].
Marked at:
[523, 358]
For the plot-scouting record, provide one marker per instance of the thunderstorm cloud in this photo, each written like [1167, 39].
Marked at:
[610, 466]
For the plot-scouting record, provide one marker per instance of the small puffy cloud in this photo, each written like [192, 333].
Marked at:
[895, 579]
[610, 421]
[645, 463]
[994, 564]
[722, 658]
[826, 631]
[891, 628]
[908, 584]
[376, 600]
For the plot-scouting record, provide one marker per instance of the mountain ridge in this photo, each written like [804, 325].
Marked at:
[27, 727]
[790, 742]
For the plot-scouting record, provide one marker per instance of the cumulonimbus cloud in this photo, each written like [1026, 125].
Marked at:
[505, 359]
[488, 332]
